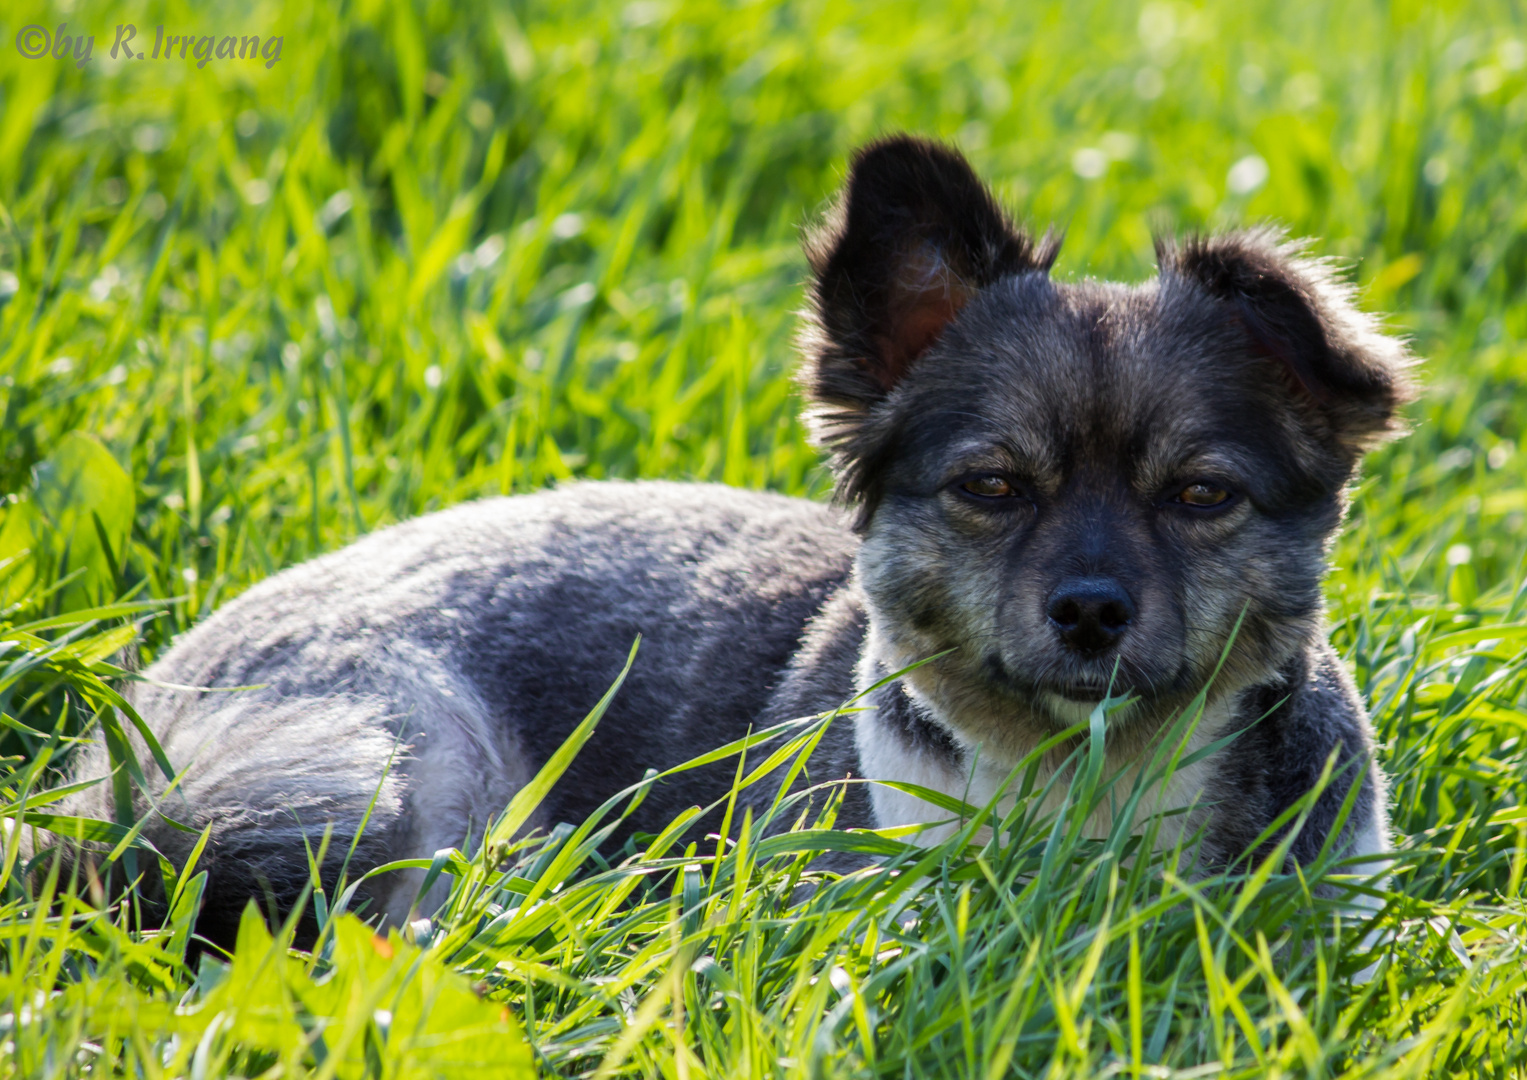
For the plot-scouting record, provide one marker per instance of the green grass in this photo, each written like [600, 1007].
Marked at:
[440, 251]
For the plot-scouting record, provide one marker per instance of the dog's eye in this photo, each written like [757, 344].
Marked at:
[1203, 495]
[989, 487]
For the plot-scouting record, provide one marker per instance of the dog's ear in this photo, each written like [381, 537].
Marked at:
[912, 237]
[1298, 315]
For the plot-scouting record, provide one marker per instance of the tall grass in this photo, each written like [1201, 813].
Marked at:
[439, 251]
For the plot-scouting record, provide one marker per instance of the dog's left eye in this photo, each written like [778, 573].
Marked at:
[1203, 495]
[989, 487]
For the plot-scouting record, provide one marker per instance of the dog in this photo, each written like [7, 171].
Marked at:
[1056, 490]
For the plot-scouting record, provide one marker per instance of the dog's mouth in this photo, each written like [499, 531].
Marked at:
[1081, 689]
[1082, 694]
[1074, 700]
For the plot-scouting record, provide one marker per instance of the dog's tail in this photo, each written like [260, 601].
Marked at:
[269, 776]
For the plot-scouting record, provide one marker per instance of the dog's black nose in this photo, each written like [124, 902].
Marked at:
[1090, 614]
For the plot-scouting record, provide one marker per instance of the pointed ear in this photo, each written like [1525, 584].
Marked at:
[911, 238]
[1296, 314]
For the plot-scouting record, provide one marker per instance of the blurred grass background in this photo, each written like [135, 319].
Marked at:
[443, 250]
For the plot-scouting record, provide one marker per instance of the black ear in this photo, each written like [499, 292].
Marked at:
[911, 238]
[1297, 314]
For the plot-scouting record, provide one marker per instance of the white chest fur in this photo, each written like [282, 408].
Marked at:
[981, 777]
[885, 756]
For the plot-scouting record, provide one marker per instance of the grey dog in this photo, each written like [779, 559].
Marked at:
[1060, 487]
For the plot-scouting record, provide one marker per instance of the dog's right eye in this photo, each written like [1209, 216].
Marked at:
[989, 487]
[1203, 495]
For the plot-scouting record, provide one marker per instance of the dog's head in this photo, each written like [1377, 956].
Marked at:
[1077, 484]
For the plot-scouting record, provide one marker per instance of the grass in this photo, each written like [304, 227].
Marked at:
[439, 251]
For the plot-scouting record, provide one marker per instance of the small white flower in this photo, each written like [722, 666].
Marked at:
[1247, 175]
[1089, 163]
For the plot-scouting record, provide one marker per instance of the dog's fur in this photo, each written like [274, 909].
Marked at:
[939, 356]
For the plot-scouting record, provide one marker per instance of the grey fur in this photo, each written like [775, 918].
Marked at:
[469, 642]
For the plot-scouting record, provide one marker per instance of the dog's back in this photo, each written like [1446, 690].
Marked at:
[462, 648]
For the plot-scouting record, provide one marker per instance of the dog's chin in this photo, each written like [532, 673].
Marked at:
[1072, 707]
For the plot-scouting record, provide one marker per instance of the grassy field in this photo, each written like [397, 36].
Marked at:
[438, 251]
